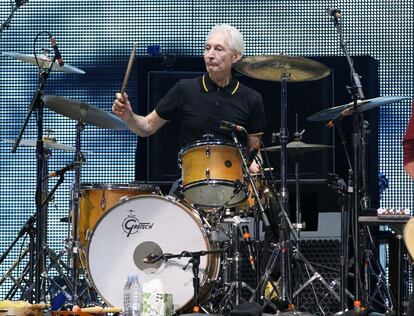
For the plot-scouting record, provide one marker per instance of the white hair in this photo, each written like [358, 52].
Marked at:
[235, 37]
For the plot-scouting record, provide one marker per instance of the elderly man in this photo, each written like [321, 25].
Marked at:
[202, 103]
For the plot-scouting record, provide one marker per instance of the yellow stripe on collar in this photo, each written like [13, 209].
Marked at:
[204, 83]
[235, 89]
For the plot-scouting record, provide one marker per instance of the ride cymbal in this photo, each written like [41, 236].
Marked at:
[271, 67]
[88, 114]
[298, 147]
[44, 62]
[348, 109]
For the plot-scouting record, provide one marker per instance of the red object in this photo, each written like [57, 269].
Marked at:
[408, 141]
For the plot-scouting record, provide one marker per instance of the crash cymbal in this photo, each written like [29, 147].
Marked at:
[348, 109]
[298, 147]
[44, 62]
[49, 143]
[271, 67]
[90, 114]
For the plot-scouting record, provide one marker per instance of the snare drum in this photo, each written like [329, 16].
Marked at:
[97, 198]
[212, 174]
[143, 225]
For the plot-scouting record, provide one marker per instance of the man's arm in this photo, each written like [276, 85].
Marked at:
[141, 125]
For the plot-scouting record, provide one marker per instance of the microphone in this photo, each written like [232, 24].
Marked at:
[62, 171]
[151, 258]
[228, 126]
[57, 52]
[252, 155]
[334, 13]
[246, 237]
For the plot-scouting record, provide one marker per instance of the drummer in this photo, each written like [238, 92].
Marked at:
[202, 103]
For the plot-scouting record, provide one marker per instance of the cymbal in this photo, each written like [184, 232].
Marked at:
[44, 62]
[298, 147]
[347, 109]
[271, 67]
[49, 143]
[90, 114]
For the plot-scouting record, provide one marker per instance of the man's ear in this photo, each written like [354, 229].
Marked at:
[236, 58]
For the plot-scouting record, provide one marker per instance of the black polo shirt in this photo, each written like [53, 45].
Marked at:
[200, 105]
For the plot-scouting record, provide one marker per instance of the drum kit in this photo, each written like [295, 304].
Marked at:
[118, 229]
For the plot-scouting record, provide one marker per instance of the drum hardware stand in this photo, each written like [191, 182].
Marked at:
[6, 24]
[259, 206]
[28, 228]
[356, 93]
[39, 259]
[235, 285]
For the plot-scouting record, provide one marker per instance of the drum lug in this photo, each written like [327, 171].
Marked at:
[103, 201]
[208, 151]
[208, 173]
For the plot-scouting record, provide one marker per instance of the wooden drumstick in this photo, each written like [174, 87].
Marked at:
[129, 67]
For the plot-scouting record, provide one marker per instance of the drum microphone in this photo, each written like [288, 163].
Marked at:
[246, 237]
[151, 258]
[58, 55]
[334, 13]
[228, 126]
[62, 171]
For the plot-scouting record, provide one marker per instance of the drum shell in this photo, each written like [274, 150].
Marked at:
[223, 163]
[211, 170]
[97, 198]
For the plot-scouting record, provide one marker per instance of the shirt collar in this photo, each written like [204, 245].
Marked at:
[209, 85]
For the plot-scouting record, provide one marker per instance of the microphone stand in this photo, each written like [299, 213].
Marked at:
[259, 208]
[356, 93]
[41, 211]
[6, 24]
[195, 261]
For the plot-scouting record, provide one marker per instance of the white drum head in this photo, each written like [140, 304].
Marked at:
[134, 229]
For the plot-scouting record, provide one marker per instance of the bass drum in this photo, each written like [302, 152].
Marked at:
[132, 230]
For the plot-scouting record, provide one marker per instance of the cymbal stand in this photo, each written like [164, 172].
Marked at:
[41, 211]
[356, 93]
[283, 134]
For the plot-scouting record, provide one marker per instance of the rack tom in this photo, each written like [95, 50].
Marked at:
[212, 174]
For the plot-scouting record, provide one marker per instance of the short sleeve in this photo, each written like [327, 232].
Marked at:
[169, 105]
[257, 122]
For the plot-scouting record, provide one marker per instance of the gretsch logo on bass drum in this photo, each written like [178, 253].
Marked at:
[132, 225]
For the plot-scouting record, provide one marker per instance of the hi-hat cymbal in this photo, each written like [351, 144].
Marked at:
[348, 109]
[44, 62]
[298, 147]
[90, 114]
[49, 143]
[271, 67]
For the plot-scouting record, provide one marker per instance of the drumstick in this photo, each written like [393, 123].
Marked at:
[129, 67]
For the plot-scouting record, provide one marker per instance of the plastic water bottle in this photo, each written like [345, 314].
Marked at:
[127, 296]
[135, 291]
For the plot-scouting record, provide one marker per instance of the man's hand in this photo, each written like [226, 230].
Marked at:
[122, 107]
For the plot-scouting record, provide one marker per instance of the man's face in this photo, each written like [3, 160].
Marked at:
[218, 56]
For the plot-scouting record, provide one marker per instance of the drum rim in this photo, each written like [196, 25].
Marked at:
[116, 186]
[212, 142]
[212, 270]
